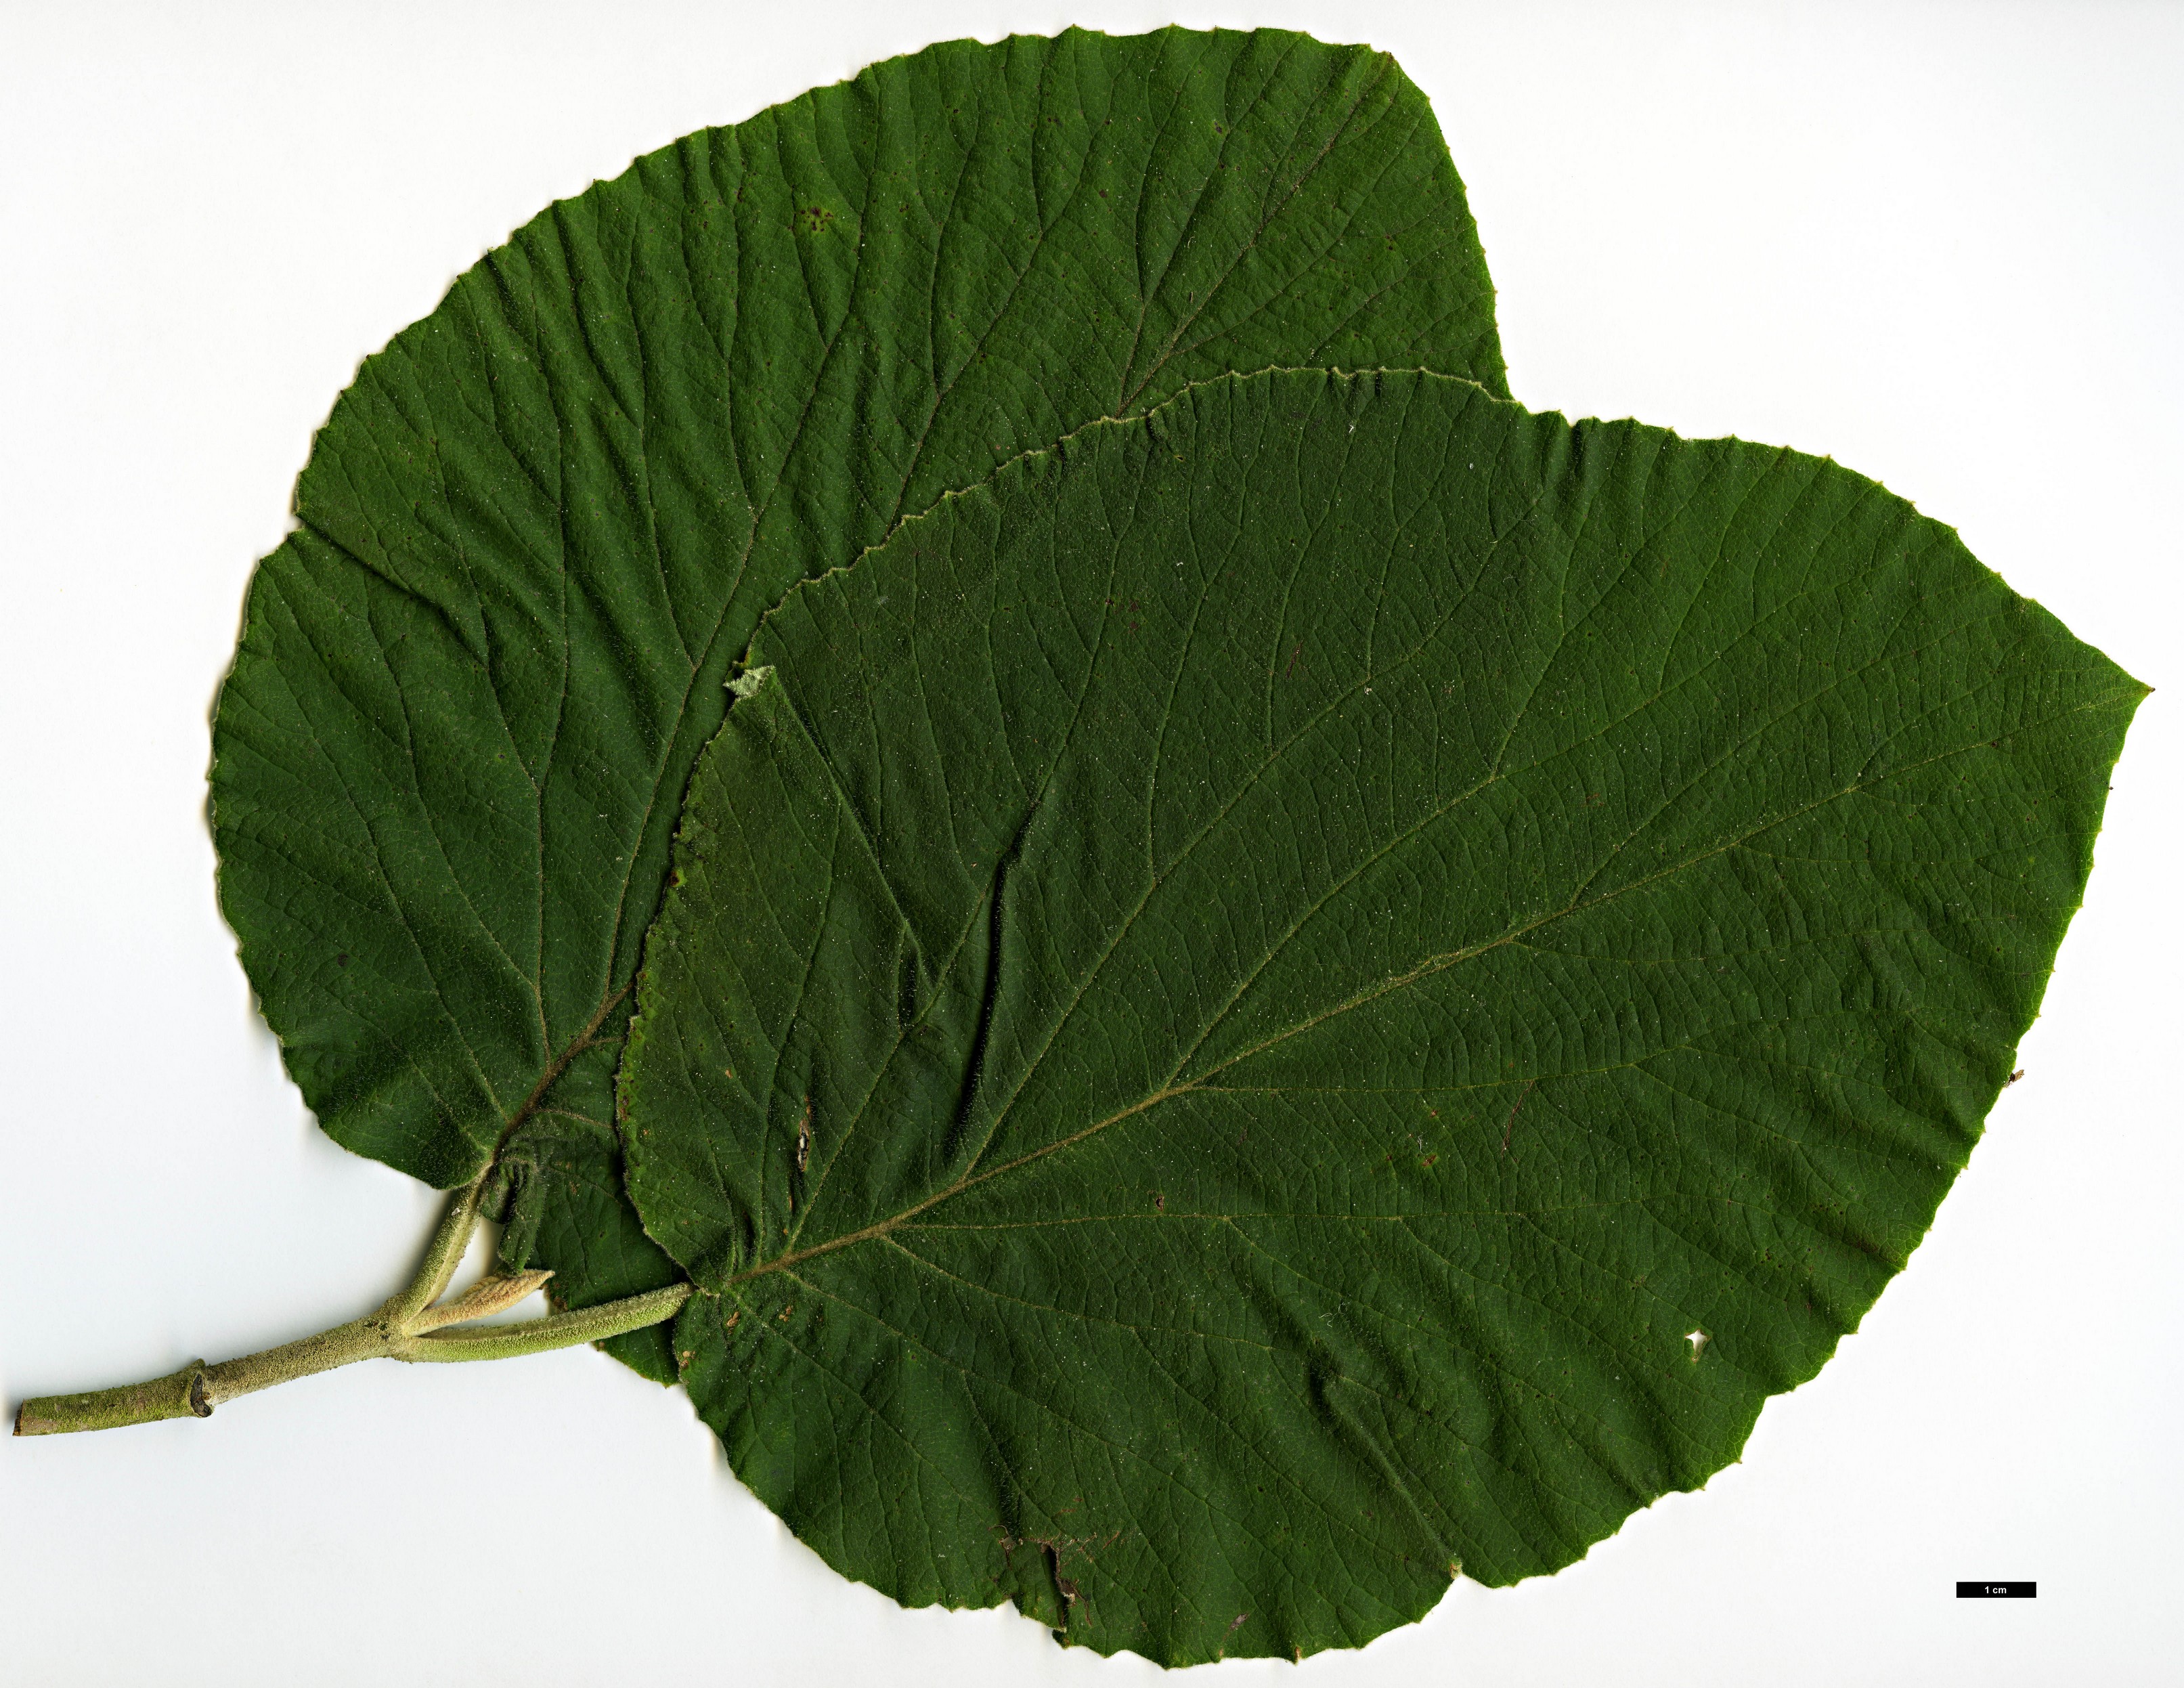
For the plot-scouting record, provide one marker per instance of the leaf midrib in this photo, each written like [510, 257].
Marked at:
[1429, 968]
[615, 946]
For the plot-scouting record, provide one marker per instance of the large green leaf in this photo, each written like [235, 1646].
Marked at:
[1334, 984]
[541, 525]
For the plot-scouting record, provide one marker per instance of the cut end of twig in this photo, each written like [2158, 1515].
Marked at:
[181, 1395]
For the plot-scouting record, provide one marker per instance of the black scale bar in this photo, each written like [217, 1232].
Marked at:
[1997, 1590]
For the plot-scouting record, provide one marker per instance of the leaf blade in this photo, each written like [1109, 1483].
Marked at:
[470, 686]
[1625, 919]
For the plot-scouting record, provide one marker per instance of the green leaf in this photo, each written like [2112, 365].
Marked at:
[537, 532]
[1332, 984]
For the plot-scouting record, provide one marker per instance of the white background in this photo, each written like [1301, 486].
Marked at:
[1943, 244]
